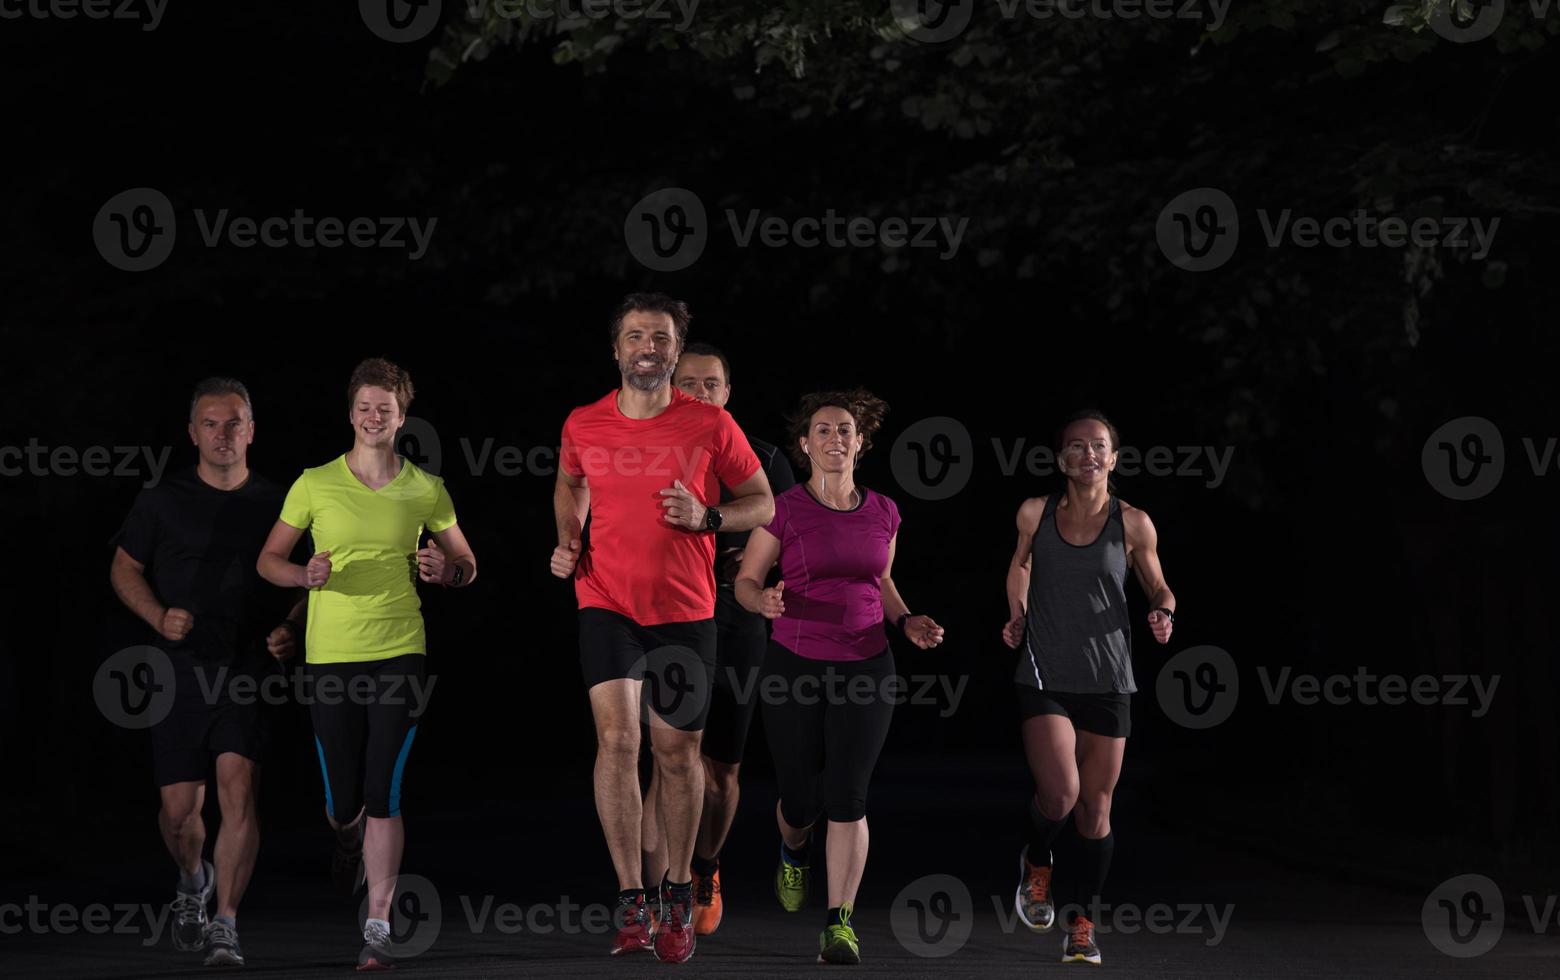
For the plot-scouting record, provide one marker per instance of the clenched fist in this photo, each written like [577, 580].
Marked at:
[317, 572]
[176, 624]
[565, 557]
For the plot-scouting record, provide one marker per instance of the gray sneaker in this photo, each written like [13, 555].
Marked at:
[1033, 899]
[189, 913]
[376, 953]
[222, 941]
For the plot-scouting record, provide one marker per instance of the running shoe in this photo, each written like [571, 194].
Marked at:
[634, 929]
[707, 905]
[222, 941]
[189, 913]
[1078, 946]
[377, 954]
[838, 944]
[1033, 899]
[674, 937]
[792, 883]
[347, 870]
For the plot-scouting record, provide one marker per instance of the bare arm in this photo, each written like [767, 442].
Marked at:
[571, 504]
[275, 564]
[128, 578]
[449, 561]
[1143, 559]
[1018, 570]
[920, 630]
[760, 555]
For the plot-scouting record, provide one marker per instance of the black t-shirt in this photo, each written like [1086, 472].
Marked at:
[199, 545]
[781, 478]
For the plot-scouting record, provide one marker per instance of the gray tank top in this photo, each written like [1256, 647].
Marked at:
[1080, 634]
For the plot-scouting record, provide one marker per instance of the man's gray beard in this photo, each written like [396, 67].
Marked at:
[647, 382]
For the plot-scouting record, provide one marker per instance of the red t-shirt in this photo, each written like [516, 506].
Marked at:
[638, 565]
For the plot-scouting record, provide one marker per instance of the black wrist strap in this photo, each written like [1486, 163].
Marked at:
[900, 622]
[1169, 613]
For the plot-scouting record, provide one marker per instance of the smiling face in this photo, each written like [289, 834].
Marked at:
[832, 441]
[1087, 454]
[376, 417]
[222, 430]
[646, 349]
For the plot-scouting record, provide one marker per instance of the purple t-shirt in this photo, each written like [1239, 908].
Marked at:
[832, 562]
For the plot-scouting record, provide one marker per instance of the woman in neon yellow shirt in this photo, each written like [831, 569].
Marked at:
[366, 511]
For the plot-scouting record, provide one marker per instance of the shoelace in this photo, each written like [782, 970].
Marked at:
[221, 934]
[792, 874]
[673, 914]
[632, 914]
[187, 908]
[1038, 883]
[376, 936]
[704, 890]
[1082, 931]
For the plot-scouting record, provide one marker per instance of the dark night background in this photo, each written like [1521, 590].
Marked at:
[1325, 370]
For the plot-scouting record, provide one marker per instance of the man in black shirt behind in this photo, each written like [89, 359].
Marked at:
[185, 563]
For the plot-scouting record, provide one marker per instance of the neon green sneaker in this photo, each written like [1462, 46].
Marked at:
[838, 944]
[792, 882]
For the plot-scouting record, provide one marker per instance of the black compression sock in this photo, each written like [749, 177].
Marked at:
[704, 867]
[1093, 864]
[1041, 833]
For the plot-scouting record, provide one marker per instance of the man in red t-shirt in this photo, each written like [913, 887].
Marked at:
[642, 462]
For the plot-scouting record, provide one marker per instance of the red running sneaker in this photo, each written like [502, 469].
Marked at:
[634, 930]
[674, 938]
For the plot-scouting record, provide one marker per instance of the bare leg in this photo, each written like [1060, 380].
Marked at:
[615, 707]
[652, 834]
[383, 841]
[846, 846]
[238, 839]
[179, 819]
[720, 806]
[681, 793]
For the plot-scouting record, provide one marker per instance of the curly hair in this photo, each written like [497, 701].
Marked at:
[379, 373]
[865, 408]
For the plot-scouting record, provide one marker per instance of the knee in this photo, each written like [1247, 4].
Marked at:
[237, 799]
[1055, 802]
[677, 758]
[619, 743]
[1092, 815]
[720, 782]
[181, 816]
[846, 811]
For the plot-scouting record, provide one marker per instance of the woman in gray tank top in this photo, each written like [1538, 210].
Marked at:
[1068, 618]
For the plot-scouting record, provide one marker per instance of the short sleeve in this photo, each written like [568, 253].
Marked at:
[735, 462]
[781, 478]
[776, 527]
[138, 536]
[569, 450]
[443, 516]
[893, 516]
[297, 508]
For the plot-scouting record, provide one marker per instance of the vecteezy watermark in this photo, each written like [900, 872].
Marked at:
[135, 230]
[934, 22]
[668, 229]
[95, 919]
[1461, 21]
[677, 14]
[136, 687]
[148, 12]
[400, 21]
[36, 459]
[1465, 458]
[1465, 915]
[934, 458]
[933, 916]
[1199, 229]
[1199, 687]
[417, 916]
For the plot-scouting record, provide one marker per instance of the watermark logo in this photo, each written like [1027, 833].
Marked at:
[1198, 687]
[1199, 229]
[933, 458]
[1464, 458]
[932, 21]
[150, 16]
[416, 916]
[667, 230]
[418, 442]
[676, 685]
[135, 229]
[400, 21]
[1459, 21]
[135, 687]
[1464, 916]
[36, 459]
[97, 919]
[933, 916]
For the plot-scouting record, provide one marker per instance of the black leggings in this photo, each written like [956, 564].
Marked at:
[363, 728]
[826, 725]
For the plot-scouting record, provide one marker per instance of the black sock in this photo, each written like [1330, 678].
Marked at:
[631, 896]
[833, 918]
[1040, 833]
[797, 857]
[704, 867]
[1093, 864]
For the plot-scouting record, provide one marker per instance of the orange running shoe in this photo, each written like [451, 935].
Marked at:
[707, 906]
[1079, 946]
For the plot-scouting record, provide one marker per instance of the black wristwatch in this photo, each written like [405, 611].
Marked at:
[1169, 613]
[900, 622]
[712, 519]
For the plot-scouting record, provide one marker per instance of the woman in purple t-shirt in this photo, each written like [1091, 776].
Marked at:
[828, 678]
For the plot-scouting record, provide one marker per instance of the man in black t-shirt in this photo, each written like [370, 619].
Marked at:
[185, 564]
[741, 638]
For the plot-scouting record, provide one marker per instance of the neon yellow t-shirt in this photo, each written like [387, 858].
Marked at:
[369, 608]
